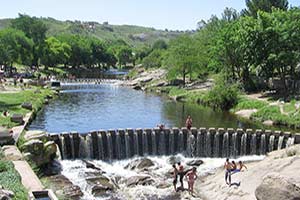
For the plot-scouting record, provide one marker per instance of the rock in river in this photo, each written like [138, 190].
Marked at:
[141, 163]
[196, 162]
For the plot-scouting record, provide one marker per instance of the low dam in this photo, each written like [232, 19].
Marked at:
[122, 144]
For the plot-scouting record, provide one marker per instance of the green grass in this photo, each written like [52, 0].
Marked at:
[245, 103]
[12, 102]
[289, 107]
[10, 179]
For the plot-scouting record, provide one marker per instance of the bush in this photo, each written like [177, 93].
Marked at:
[223, 95]
[245, 103]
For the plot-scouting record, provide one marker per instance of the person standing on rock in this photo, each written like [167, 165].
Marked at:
[189, 122]
[181, 174]
[175, 174]
[191, 177]
[228, 168]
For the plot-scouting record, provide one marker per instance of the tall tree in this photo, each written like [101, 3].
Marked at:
[34, 29]
[253, 6]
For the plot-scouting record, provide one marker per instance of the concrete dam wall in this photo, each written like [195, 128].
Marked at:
[122, 144]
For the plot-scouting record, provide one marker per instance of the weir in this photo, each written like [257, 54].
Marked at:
[122, 144]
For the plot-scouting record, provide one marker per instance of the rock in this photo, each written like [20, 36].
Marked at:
[137, 87]
[246, 113]
[173, 160]
[69, 190]
[141, 163]
[163, 185]
[35, 134]
[196, 162]
[34, 146]
[268, 123]
[99, 180]
[52, 168]
[176, 82]
[27, 105]
[50, 149]
[146, 79]
[5, 137]
[6, 194]
[276, 187]
[91, 165]
[99, 190]
[17, 118]
[139, 180]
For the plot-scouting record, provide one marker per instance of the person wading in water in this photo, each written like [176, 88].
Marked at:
[189, 122]
[175, 174]
[191, 177]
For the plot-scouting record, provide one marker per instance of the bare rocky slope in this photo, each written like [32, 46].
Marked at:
[276, 177]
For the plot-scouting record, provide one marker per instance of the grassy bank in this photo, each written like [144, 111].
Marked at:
[12, 102]
[10, 179]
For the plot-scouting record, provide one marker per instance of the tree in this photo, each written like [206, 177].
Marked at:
[14, 47]
[154, 59]
[182, 57]
[253, 6]
[124, 55]
[160, 44]
[34, 29]
[56, 52]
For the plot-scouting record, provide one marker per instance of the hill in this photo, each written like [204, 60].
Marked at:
[135, 36]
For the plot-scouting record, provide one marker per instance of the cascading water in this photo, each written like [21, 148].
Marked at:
[199, 148]
[253, 144]
[145, 144]
[244, 144]
[136, 144]
[208, 145]
[216, 149]
[271, 143]
[234, 148]
[171, 143]
[226, 147]
[162, 143]
[63, 148]
[154, 147]
[191, 146]
[280, 142]
[263, 145]
[83, 150]
[100, 147]
[109, 146]
[127, 145]
[290, 141]
[180, 144]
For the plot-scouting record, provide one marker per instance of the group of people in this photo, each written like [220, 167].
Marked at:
[190, 175]
[231, 168]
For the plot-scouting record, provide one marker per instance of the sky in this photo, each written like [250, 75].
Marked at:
[160, 14]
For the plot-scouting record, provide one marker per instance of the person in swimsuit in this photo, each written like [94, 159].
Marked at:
[189, 122]
[191, 177]
[228, 168]
[180, 173]
[233, 166]
[175, 174]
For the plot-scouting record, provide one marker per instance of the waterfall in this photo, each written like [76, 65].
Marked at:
[109, 146]
[263, 144]
[154, 147]
[63, 147]
[226, 150]
[191, 146]
[118, 146]
[290, 141]
[217, 145]
[208, 145]
[162, 143]
[234, 148]
[72, 147]
[145, 143]
[136, 143]
[180, 143]
[171, 143]
[280, 142]
[244, 144]
[271, 143]
[253, 144]
[127, 145]
[100, 147]
[84, 149]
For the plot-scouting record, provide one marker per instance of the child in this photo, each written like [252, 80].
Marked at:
[191, 177]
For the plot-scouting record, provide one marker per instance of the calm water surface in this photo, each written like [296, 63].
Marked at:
[113, 107]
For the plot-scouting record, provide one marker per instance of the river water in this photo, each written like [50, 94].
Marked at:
[111, 106]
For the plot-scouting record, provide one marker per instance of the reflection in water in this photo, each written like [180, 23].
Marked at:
[112, 107]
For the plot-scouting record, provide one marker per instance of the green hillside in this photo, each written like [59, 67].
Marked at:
[134, 35]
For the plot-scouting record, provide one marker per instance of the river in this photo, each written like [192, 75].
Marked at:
[111, 106]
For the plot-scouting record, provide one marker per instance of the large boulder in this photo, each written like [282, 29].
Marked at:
[34, 146]
[27, 105]
[141, 163]
[139, 180]
[195, 162]
[276, 187]
[100, 185]
[5, 137]
[17, 118]
[35, 134]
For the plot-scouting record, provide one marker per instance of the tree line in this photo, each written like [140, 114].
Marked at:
[26, 42]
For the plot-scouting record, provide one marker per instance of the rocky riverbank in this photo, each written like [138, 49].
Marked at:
[274, 178]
